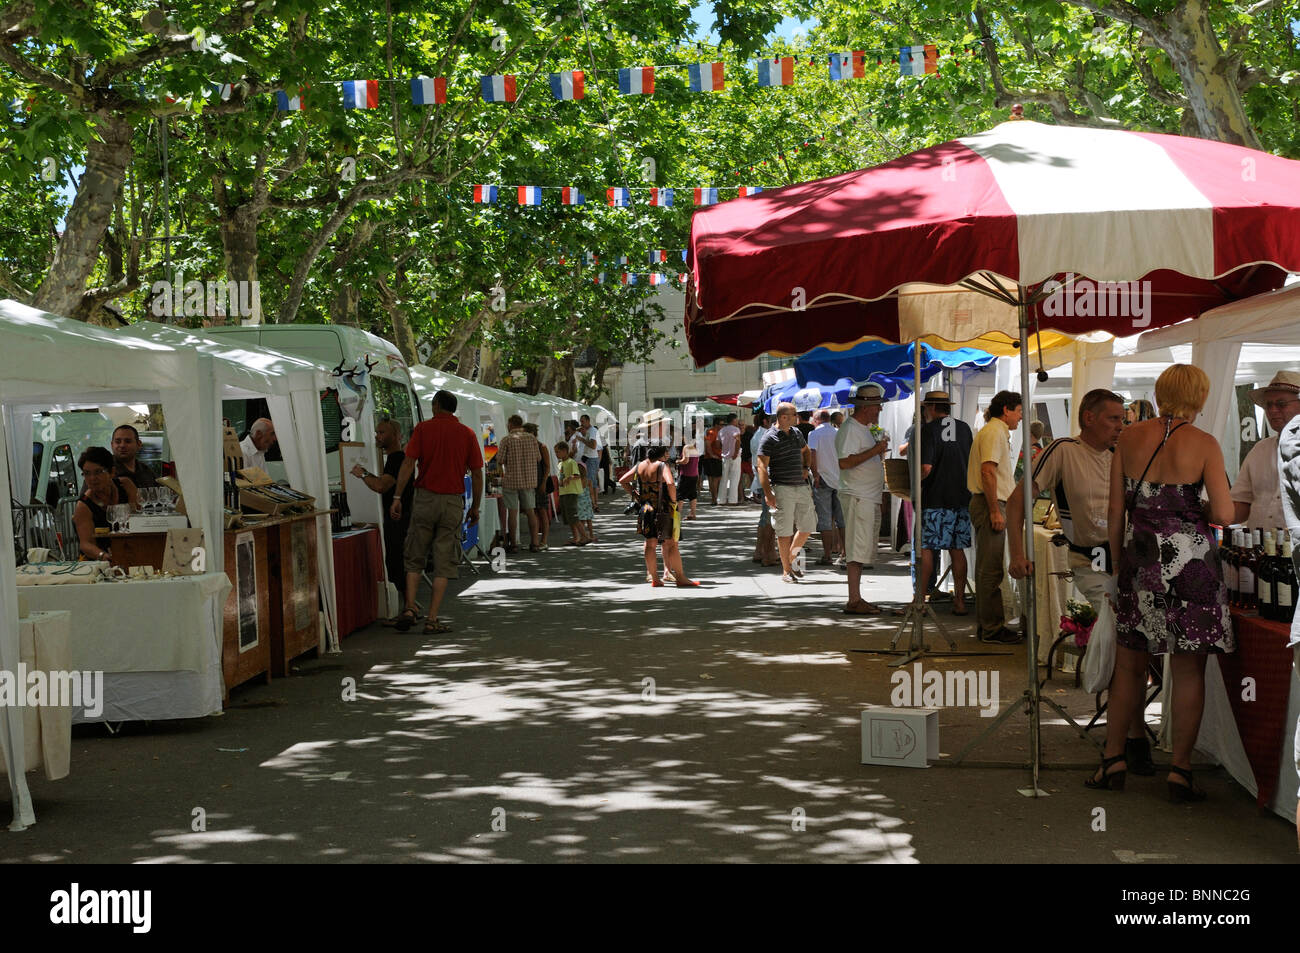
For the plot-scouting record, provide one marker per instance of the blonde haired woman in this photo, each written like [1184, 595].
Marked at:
[1171, 597]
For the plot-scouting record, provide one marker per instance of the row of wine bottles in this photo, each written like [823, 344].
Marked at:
[1257, 575]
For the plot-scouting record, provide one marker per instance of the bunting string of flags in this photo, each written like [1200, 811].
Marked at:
[616, 197]
[709, 77]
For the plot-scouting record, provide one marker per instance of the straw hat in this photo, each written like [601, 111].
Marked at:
[1286, 382]
[937, 397]
[869, 395]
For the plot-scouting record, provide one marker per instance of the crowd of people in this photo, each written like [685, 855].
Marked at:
[1137, 493]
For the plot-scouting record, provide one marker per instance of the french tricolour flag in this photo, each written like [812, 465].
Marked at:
[619, 197]
[590, 258]
[918, 60]
[485, 194]
[286, 103]
[776, 71]
[656, 278]
[428, 92]
[622, 259]
[223, 90]
[629, 278]
[499, 88]
[748, 190]
[706, 196]
[637, 81]
[657, 255]
[706, 77]
[567, 85]
[571, 196]
[851, 64]
[661, 197]
[530, 195]
[600, 278]
[361, 94]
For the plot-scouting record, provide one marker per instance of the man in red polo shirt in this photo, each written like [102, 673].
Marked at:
[445, 449]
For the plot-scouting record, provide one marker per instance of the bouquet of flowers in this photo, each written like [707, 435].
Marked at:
[878, 433]
[1078, 621]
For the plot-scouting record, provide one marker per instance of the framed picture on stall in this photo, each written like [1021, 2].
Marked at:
[363, 502]
[246, 591]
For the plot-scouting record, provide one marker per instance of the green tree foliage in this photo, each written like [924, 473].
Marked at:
[365, 216]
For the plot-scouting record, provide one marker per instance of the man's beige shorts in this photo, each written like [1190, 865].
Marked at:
[435, 520]
[861, 529]
[524, 499]
[794, 510]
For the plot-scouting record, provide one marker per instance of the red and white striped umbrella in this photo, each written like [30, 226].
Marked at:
[1187, 224]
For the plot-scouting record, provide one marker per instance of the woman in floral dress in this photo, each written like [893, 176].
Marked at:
[1171, 597]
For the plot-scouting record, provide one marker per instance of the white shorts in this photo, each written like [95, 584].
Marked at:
[794, 510]
[861, 529]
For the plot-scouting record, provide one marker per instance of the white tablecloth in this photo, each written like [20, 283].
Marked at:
[489, 522]
[158, 643]
[47, 731]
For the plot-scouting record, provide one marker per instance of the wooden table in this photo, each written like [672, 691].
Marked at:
[271, 614]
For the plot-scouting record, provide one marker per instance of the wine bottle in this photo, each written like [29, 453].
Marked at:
[1286, 581]
[1264, 577]
[1246, 574]
[1228, 558]
[347, 513]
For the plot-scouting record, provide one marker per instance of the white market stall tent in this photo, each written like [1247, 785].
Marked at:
[292, 388]
[47, 359]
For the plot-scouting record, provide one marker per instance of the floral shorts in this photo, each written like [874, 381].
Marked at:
[944, 528]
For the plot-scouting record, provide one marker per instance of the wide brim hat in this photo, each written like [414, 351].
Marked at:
[937, 397]
[1287, 382]
[868, 395]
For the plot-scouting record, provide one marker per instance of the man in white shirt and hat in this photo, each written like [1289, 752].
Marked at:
[1256, 497]
[861, 451]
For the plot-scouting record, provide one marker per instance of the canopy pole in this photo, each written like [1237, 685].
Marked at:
[918, 608]
[1028, 614]
[1031, 698]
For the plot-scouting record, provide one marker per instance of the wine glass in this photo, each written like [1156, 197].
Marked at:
[148, 499]
[118, 514]
[168, 499]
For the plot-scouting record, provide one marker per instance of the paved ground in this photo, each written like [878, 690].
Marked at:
[538, 716]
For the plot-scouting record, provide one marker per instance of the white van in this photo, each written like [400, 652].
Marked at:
[57, 441]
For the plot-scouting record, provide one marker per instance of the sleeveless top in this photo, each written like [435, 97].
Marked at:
[98, 513]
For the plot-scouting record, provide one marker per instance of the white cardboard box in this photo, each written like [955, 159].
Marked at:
[900, 736]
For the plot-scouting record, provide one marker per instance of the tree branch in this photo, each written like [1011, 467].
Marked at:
[42, 77]
[1157, 89]
[232, 23]
[1126, 12]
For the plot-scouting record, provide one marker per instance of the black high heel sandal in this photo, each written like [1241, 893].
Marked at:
[1187, 793]
[1114, 781]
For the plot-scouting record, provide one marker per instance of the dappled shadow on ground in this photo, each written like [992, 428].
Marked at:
[574, 714]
